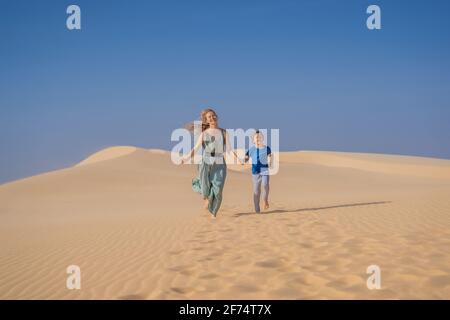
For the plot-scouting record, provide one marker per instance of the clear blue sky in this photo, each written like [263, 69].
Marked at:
[139, 69]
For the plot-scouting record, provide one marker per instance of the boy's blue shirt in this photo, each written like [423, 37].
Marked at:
[260, 157]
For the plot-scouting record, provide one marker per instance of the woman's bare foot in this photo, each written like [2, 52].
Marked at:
[266, 205]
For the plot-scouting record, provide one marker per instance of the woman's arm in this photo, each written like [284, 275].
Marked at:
[194, 150]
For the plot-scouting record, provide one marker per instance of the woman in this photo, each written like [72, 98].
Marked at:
[212, 170]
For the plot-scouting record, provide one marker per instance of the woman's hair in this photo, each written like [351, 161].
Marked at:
[205, 125]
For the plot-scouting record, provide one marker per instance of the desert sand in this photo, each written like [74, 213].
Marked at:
[128, 218]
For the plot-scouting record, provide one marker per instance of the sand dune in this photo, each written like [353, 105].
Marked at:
[407, 165]
[107, 154]
[128, 218]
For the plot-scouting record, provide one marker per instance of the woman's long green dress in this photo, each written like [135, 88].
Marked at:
[212, 172]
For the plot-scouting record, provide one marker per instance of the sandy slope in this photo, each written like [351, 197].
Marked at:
[128, 218]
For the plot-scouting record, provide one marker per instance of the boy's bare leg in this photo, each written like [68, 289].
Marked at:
[205, 203]
[265, 183]
[256, 191]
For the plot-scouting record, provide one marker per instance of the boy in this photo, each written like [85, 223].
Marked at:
[261, 156]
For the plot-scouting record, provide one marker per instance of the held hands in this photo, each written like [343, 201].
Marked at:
[241, 162]
[185, 159]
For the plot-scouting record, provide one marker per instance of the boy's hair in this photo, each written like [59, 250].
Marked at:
[257, 132]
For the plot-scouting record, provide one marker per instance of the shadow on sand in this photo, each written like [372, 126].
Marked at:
[237, 215]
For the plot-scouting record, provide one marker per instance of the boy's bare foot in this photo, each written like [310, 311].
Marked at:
[266, 205]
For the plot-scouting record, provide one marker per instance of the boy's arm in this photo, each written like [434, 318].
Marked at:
[269, 157]
[228, 148]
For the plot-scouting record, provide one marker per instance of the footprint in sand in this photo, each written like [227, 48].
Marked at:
[245, 288]
[209, 241]
[349, 281]
[205, 259]
[272, 263]
[184, 270]
[181, 290]
[175, 252]
[292, 224]
[209, 276]
[204, 232]
[286, 292]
